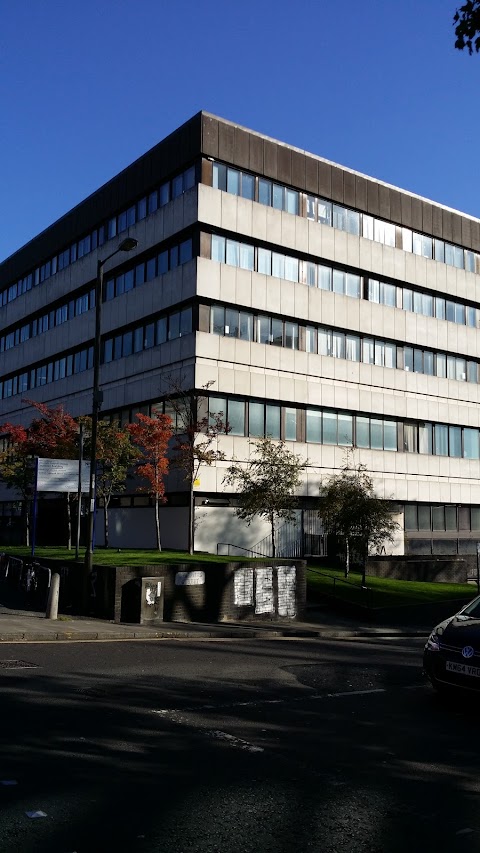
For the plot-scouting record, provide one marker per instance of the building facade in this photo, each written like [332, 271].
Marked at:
[325, 308]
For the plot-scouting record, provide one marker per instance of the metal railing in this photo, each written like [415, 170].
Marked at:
[365, 592]
[293, 539]
[28, 580]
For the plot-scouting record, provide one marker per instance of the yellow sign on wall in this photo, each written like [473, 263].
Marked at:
[196, 482]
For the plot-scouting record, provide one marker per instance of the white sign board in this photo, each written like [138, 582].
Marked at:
[189, 578]
[61, 475]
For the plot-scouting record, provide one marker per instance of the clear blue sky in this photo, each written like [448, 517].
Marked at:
[85, 88]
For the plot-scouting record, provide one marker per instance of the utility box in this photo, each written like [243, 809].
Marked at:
[151, 600]
[142, 601]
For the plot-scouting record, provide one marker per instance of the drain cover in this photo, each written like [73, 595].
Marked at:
[17, 664]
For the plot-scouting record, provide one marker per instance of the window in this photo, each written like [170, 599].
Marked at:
[314, 426]
[256, 426]
[264, 261]
[329, 427]
[290, 424]
[352, 348]
[218, 248]
[231, 322]
[272, 421]
[291, 335]
[471, 443]
[410, 517]
[362, 431]
[345, 429]
[324, 209]
[236, 417]
[325, 278]
[410, 438]
[441, 440]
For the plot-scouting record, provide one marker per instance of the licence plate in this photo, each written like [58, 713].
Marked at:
[463, 669]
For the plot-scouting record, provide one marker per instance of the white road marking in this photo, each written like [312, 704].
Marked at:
[237, 742]
[253, 703]
[351, 693]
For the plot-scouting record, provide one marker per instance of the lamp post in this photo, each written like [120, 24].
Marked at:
[125, 246]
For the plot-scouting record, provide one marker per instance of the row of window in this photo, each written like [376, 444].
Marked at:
[117, 346]
[260, 328]
[114, 226]
[257, 419]
[326, 212]
[44, 374]
[158, 264]
[276, 264]
[55, 317]
[322, 426]
[147, 335]
[114, 286]
[441, 517]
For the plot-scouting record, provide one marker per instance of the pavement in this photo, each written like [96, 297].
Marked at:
[321, 622]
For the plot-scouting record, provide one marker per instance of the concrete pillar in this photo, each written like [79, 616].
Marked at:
[52, 604]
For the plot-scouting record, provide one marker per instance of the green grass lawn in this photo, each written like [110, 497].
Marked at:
[380, 591]
[124, 556]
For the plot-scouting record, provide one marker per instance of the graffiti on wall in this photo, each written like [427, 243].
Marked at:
[286, 577]
[243, 587]
[264, 597]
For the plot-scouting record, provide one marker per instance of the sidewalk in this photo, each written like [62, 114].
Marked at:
[26, 626]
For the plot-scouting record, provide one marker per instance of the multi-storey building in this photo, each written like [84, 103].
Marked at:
[327, 308]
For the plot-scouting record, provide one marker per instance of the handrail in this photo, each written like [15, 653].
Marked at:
[238, 548]
[367, 590]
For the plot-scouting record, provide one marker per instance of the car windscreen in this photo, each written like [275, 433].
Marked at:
[473, 609]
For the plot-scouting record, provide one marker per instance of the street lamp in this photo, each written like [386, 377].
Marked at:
[125, 246]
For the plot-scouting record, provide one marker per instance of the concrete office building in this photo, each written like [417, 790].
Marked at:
[327, 308]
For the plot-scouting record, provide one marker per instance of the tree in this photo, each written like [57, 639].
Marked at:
[54, 436]
[196, 433]
[115, 454]
[51, 436]
[151, 435]
[267, 483]
[350, 508]
[467, 29]
[17, 468]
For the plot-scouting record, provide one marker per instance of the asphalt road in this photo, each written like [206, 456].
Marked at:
[277, 745]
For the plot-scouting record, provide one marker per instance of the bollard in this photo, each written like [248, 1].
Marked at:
[52, 604]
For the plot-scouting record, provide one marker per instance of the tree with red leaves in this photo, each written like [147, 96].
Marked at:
[115, 454]
[17, 468]
[151, 435]
[54, 434]
[51, 436]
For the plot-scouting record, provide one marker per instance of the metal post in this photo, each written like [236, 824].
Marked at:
[126, 245]
[35, 508]
[96, 403]
[478, 568]
[79, 493]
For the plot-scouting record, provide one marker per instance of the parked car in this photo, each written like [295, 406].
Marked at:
[451, 658]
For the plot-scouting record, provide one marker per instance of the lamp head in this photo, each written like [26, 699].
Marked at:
[128, 244]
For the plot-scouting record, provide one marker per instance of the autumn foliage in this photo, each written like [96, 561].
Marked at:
[50, 436]
[151, 436]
